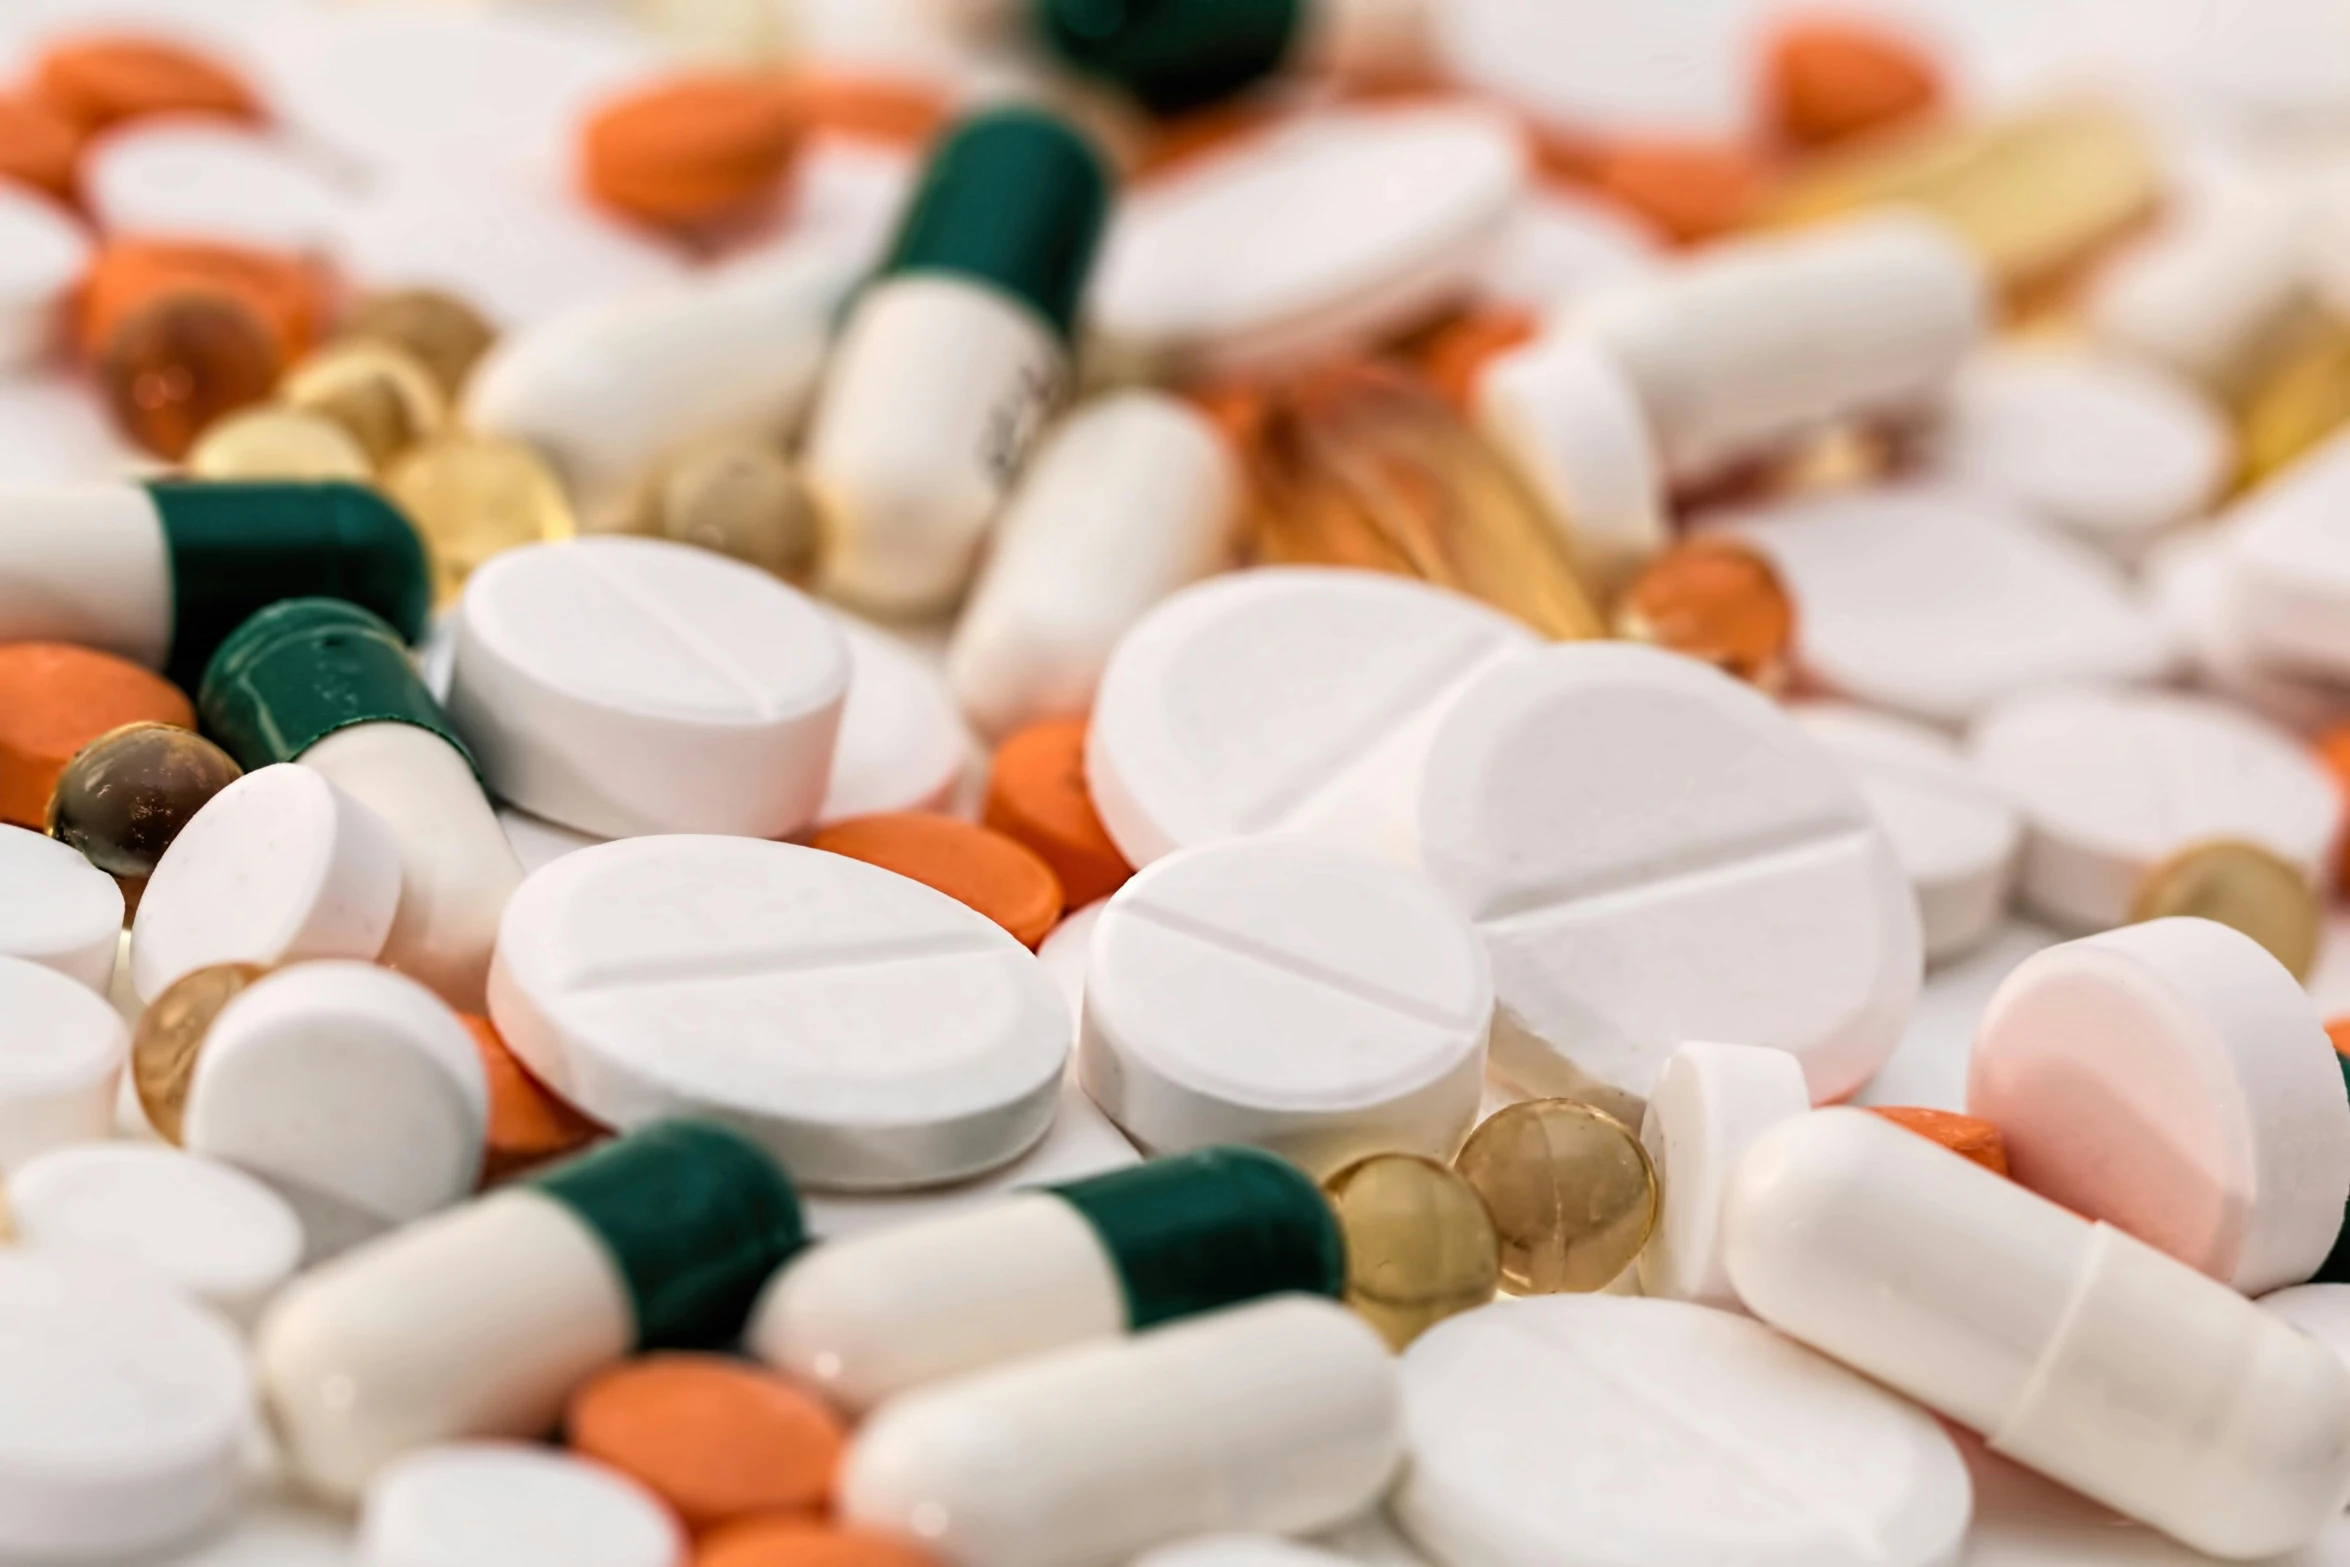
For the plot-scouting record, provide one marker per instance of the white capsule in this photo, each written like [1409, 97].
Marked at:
[57, 909]
[1570, 423]
[2074, 1349]
[62, 1050]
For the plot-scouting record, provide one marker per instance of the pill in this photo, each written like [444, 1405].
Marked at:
[902, 746]
[1830, 78]
[161, 573]
[1602, 1431]
[1710, 1104]
[39, 146]
[536, 843]
[2001, 1311]
[527, 1126]
[979, 868]
[2189, 585]
[179, 365]
[204, 1226]
[1453, 354]
[209, 181]
[738, 496]
[62, 699]
[1238, 1550]
[382, 394]
[868, 1318]
[2244, 887]
[1293, 701]
[58, 909]
[122, 1407]
[1956, 836]
[1571, 1190]
[2320, 1310]
[491, 1501]
[715, 1440]
[875, 1034]
[481, 1322]
[63, 1058]
[1718, 600]
[473, 497]
[170, 1034]
[103, 78]
[2110, 784]
[690, 150]
[1655, 909]
[1964, 1135]
[2102, 1062]
[1036, 796]
[1872, 569]
[1068, 952]
[1324, 235]
[1131, 497]
[328, 685]
[277, 443]
[1562, 246]
[791, 1542]
[908, 463]
[1581, 70]
[1280, 1416]
[46, 252]
[1690, 192]
[127, 275]
[1420, 1243]
[2297, 405]
[2285, 554]
[628, 686]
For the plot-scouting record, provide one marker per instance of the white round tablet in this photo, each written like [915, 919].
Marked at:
[2320, 1310]
[1600, 1431]
[212, 1230]
[2111, 783]
[1239, 1550]
[627, 686]
[2190, 584]
[536, 843]
[2173, 1080]
[1936, 601]
[1068, 952]
[123, 1405]
[62, 1049]
[1315, 1001]
[1588, 68]
[1956, 837]
[1710, 1103]
[902, 744]
[204, 180]
[1656, 853]
[279, 866]
[1329, 233]
[2289, 553]
[353, 1091]
[42, 253]
[1289, 700]
[57, 909]
[494, 1504]
[2111, 448]
[873, 1033]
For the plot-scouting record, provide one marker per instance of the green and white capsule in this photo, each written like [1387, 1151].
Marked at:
[329, 685]
[868, 1318]
[1173, 56]
[160, 572]
[480, 1322]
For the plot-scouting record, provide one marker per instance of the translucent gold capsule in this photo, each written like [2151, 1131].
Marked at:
[1718, 600]
[279, 443]
[124, 797]
[2298, 402]
[443, 333]
[383, 395]
[740, 498]
[2242, 886]
[170, 1034]
[182, 362]
[1572, 1193]
[474, 497]
[1420, 1246]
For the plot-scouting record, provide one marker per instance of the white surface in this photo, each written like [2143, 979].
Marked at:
[1314, 1001]
[1281, 1416]
[1290, 701]
[1711, 1102]
[2289, 547]
[57, 909]
[487, 1504]
[192, 179]
[874, 1034]
[1327, 234]
[623, 686]
[279, 867]
[61, 1054]
[902, 746]
[42, 253]
[1656, 853]
[2112, 783]
[1562, 413]
[1611, 1432]
[86, 562]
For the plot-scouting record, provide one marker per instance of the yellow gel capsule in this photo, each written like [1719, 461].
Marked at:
[440, 331]
[1420, 1246]
[170, 1035]
[2244, 887]
[279, 443]
[2298, 403]
[1718, 600]
[740, 498]
[384, 396]
[1572, 1193]
[473, 497]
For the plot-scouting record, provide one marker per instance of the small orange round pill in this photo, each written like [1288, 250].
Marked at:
[717, 1439]
[1714, 599]
[104, 79]
[1456, 353]
[691, 150]
[870, 108]
[1036, 796]
[128, 275]
[791, 1542]
[527, 1125]
[38, 146]
[189, 359]
[1691, 191]
[55, 699]
[1829, 79]
[1961, 1134]
[980, 868]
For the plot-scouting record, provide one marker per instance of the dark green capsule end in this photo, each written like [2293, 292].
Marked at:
[1173, 56]
[302, 669]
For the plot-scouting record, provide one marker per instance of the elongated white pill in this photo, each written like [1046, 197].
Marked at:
[57, 909]
[1711, 1102]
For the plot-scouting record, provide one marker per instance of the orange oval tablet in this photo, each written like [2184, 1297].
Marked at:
[1829, 79]
[129, 274]
[1004, 880]
[2333, 753]
[717, 1439]
[55, 699]
[692, 149]
[1961, 1134]
[1691, 191]
[527, 1125]
[38, 146]
[1456, 353]
[1036, 796]
[871, 108]
[103, 79]
[791, 1542]
[2339, 1032]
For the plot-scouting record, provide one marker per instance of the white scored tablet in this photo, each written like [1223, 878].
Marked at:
[62, 1048]
[902, 745]
[57, 909]
[2289, 558]
[469, 1504]
[1711, 1102]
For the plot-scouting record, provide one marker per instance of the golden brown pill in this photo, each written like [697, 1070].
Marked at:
[1572, 1193]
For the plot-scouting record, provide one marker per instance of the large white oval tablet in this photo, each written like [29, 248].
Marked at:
[2112, 783]
[62, 1049]
[57, 909]
[1937, 602]
[1711, 1101]
[212, 1230]
[2173, 1080]
[42, 253]
[874, 1034]
[123, 1405]
[1656, 853]
[1956, 837]
[496, 1504]
[1318, 1002]
[902, 744]
[279, 866]
[351, 1090]
[2289, 550]
[188, 179]
[1588, 68]
[1599, 1431]
[627, 686]
[1326, 234]
[1290, 700]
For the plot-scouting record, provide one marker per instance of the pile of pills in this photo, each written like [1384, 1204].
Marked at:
[1222, 783]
